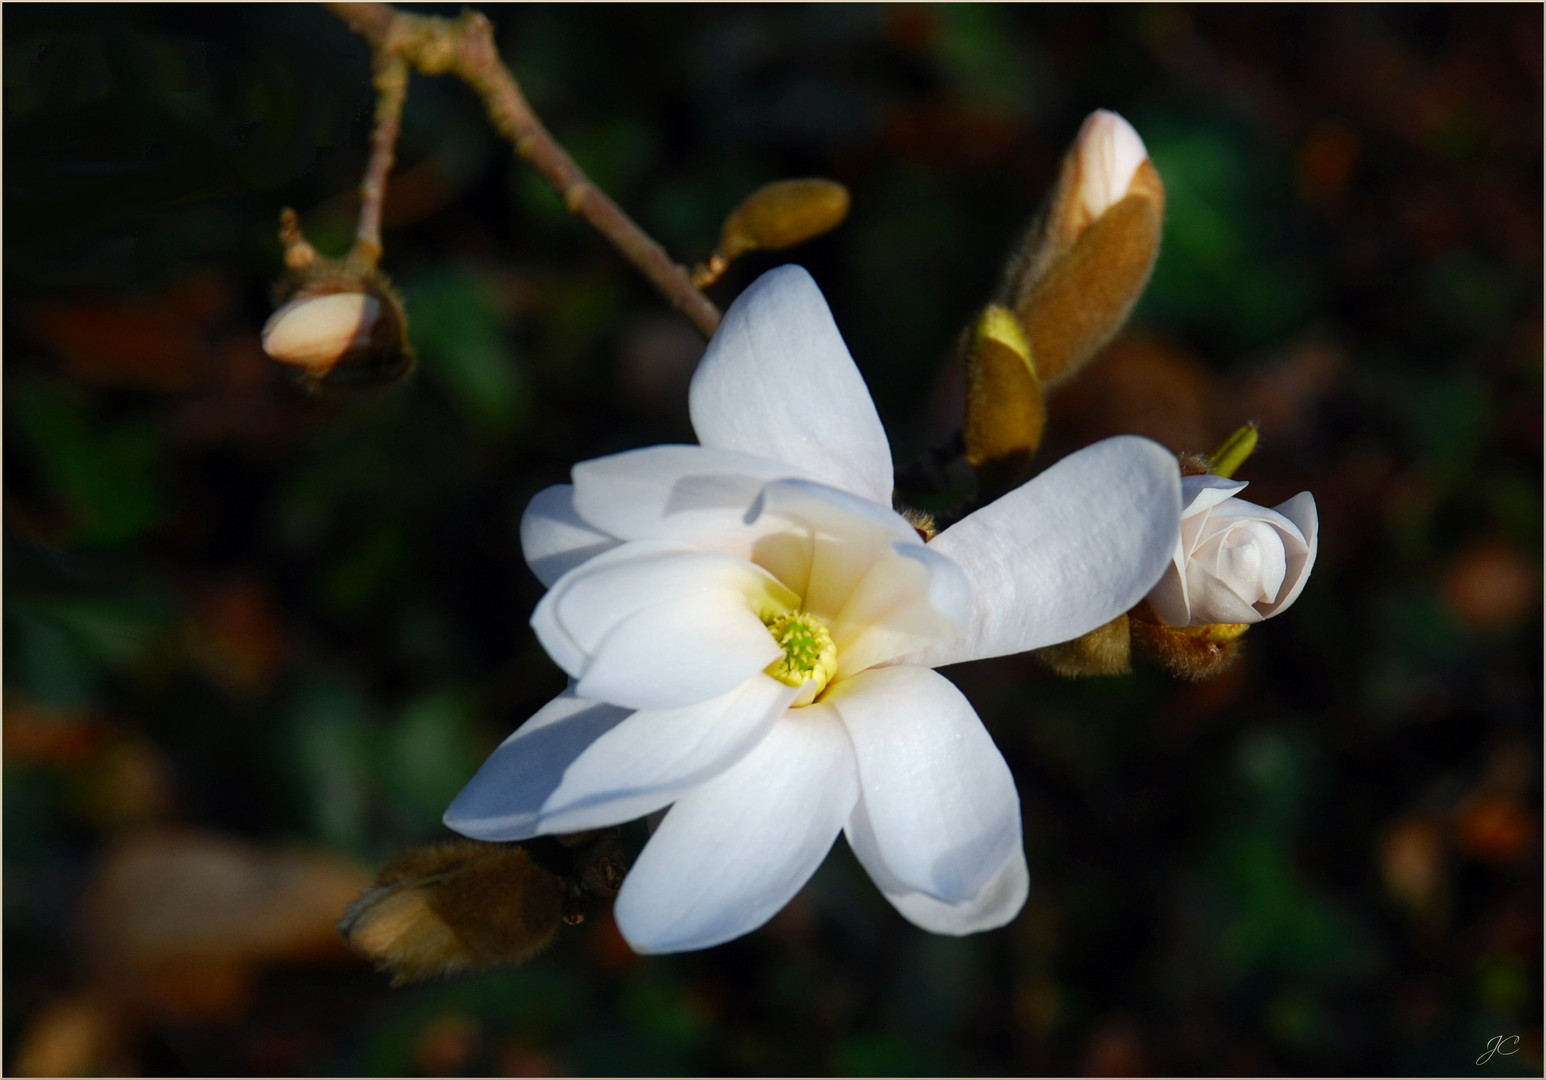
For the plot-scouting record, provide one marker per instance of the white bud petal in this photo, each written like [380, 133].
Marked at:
[1110, 152]
[313, 332]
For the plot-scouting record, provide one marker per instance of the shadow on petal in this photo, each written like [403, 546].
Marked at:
[504, 799]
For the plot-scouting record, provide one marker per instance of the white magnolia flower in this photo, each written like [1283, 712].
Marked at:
[1236, 562]
[750, 629]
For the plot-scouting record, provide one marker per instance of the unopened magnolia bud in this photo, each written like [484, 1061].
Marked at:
[1005, 414]
[342, 328]
[1088, 255]
[1106, 650]
[338, 321]
[456, 907]
[315, 332]
[1235, 561]
[782, 214]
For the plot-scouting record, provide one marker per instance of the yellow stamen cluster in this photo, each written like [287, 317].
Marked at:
[809, 654]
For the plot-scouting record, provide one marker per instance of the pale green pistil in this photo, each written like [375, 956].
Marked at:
[809, 654]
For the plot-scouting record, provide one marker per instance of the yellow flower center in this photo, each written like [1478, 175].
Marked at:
[809, 654]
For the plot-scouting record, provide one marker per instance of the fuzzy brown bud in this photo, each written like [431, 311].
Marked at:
[1193, 653]
[456, 907]
[1106, 650]
[1087, 257]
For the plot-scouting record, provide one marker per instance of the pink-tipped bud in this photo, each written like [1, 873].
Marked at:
[1110, 152]
[315, 332]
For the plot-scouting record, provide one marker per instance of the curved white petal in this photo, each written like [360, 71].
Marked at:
[1110, 152]
[1072, 549]
[690, 493]
[1213, 602]
[649, 759]
[555, 638]
[1171, 597]
[1301, 511]
[777, 381]
[997, 904]
[678, 653]
[1204, 491]
[503, 800]
[821, 541]
[1247, 557]
[911, 596]
[938, 806]
[595, 599]
[554, 539]
[736, 849]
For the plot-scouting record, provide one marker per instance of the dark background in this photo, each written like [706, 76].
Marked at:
[244, 625]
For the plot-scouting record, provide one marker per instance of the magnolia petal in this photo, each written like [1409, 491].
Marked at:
[910, 597]
[649, 759]
[679, 653]
[1171, 597]
[1071, 549]
[820, 541]
[777, 381]
[690, 493]
[1301, 511]
[594, 600]
[504, 799]
[997, 904]
[554, 538]
[1213, 602]
[555, 638]
[1110, 152]
[1247, 557]
[938, 805]
[736, 849]
[1204, 491]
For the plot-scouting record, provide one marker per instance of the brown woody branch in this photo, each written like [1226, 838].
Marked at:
[465, 47]
[390, 76]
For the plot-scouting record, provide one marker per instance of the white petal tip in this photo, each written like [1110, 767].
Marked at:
[314, 331]
[1110, 151]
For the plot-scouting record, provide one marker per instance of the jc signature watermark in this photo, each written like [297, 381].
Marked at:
[1499, 1044]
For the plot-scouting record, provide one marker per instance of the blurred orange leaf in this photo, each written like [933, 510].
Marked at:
[85, 1035]
[1490, 585]
[1495, 829]
[177, 922]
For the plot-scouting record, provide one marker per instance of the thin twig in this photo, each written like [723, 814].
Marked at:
[465, 47]
[391, 81]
